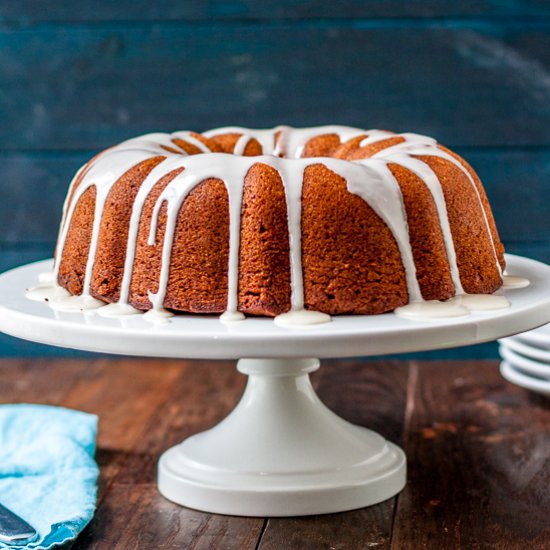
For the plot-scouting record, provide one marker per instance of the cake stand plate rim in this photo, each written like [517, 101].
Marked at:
[195, 336]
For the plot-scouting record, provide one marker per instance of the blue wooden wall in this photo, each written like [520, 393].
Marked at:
[76, 77]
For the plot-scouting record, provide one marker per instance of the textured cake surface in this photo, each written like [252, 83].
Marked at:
[331, 219]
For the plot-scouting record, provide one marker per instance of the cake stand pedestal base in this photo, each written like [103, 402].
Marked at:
[281, 452]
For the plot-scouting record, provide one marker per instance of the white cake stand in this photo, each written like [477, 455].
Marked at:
[281, 452]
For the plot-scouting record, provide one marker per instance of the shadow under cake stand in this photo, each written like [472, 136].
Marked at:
[280, 452]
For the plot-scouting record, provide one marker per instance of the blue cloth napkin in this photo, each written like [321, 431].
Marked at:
[48, 474]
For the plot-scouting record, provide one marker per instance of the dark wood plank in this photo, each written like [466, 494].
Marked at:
[39, 380]
[356, 530]
[367, 393]
[373, 395]
[479, 465]
[138, 517]
[26, 11]
[123, 393]
[145, 413]
[76, 87]
[203, 394]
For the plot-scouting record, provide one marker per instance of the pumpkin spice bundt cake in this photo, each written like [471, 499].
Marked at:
[315, 221]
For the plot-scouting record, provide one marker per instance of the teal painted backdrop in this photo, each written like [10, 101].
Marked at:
[76, 77]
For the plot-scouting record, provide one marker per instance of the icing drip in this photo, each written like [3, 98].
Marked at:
[186, 136]
[483, 302]
[234, 187]
[232, 317]
[241, 144]
[375, 136]
[301, 318]
[203, 167]
[384, 197]
[118, 310]
[368, 178]
[515, 282]
[266, 138]
[157, 173]
[66, 206]
[46, 292]
[431, 310]
[159, 316]
[293, 140]
[72, 304]
[46, 277]
[293, 194]
[459, 306]
[428, 176]
[416, 144]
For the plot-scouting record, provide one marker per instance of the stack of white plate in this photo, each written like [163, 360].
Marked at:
[526, 359]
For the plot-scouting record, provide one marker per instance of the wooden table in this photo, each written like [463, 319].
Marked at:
[478, 449]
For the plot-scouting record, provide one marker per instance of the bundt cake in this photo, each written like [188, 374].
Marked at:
[332, 219]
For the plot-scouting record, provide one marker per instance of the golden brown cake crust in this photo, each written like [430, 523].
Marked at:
[113, 236]
[430, 257]
[74, 257]
[351, 262]
[264, 266]
[200, 253]
[479, 273]
[227, 142]
[499, 247]
[145, 274]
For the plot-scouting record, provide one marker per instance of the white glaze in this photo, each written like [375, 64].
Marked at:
[301, 318]
[515, 282]
[369, 178]
[232, 317]
[158, 316]
[293, 140]
[382, 192]
[483, 302]
[46, 278]
[375, 136]
[459, 306]
[72, 304]
[266, 138]
[418, 145]
[431, 310]
[46, 292]
[430, 179]
[241, 144]
[158, 172]
[118, 310]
